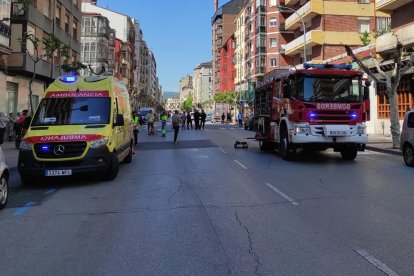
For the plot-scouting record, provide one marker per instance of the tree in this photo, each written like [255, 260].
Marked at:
[42, 48]
[226, 97]
[391, 81]
[187, 104]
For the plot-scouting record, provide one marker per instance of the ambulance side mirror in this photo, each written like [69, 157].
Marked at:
[120, 121]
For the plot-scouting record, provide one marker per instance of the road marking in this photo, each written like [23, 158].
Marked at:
[240, 164]
[377, 263]
[222, 150]
[282, 194]
[24, 209]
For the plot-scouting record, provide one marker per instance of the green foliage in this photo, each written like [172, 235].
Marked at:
[226, 97]
[187, 105]
[365, 38]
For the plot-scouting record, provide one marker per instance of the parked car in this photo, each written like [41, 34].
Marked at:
[407, 139]
[249, 122]
[4, 179]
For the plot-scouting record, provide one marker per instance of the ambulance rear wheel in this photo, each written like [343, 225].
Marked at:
[128, 158]
[113, 168]
[349, 153]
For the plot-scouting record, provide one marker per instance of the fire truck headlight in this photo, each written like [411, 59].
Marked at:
[99, 143]
[26, 146]
[361, 130]
[302, 129]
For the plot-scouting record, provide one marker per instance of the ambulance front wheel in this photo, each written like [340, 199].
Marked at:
[113, 168]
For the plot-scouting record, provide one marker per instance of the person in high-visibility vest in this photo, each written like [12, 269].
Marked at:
[135, 119]
[164, 118]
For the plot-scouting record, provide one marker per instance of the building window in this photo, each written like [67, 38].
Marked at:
[404, 99]
[364, 1]
[273, 3]
[273, 62]
[12, 90]
[273, 42]
[75, 29]
[273, 22]
[57, 14]
[383, 25]
[363, 25]
[67, 22]
[46, 8]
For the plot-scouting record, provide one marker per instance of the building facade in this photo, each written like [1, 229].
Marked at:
[322, 27]
[203, 82]
[223, 27]
[186, 88]
[97, 44]
[228, 65]
[41, 19]
[172, 104]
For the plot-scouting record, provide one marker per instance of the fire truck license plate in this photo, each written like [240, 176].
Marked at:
[58, 172]
[337, 133]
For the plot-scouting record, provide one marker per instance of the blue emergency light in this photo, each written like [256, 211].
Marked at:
[312, 115]
[69, 78]
[45, 148]
[354, 115]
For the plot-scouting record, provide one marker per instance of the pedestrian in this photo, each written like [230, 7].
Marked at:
[222, 118]
[10, 127]
[164, 119]
[176, 121]
[150, 121]
[133, 129]
[3, 124]
[183, 118]
[135, 120]
[203, 118]
[189, 121]
[228, 121]
[240, 119]
[196, 119]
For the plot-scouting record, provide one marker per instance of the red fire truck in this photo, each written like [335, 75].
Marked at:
[319, 107]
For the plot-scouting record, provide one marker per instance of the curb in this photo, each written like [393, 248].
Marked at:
[383, 150]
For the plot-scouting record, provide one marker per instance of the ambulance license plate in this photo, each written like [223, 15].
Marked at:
[58, 172]
[337, 133]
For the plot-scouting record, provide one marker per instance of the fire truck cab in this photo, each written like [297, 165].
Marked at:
[319, 107]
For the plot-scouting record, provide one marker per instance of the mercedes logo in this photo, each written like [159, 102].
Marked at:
[59, 150]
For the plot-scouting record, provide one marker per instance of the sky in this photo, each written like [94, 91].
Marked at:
[177, 31]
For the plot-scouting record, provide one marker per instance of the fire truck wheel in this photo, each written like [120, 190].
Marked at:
[264, 146]
[284, 149]
[349, 153]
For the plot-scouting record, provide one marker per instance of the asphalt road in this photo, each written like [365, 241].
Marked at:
[202, 207]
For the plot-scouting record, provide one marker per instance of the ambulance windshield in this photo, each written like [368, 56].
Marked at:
[72, 111]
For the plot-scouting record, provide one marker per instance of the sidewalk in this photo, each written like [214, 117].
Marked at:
[376, 142]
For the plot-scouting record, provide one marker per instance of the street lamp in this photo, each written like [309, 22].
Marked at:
[283, 7]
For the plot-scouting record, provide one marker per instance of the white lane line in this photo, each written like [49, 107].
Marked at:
[240, 164]
[282, 194]
[377, 263]
[222, 150]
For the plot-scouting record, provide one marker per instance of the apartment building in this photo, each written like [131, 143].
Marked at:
[228, 65]
[60, 18]
[223, 28]
[186, 88]
[125, 40]
[172, 104]
[402, 28]
[203, 82]
[321, 27]
[97, 44]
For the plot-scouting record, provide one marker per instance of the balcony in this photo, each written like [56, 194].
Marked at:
[260, 50]
[260, 9]
[306, 12]
[388, 41]
[21, 13]
[282, 49]
[260, 29]
[22, 63]
[390, 5]
[312, 38]
[260, 70]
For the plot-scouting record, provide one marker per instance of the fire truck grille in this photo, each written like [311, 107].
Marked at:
[60, 150]
[333, 116]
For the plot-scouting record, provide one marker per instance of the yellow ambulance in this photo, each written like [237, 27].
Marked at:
[82, 126]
